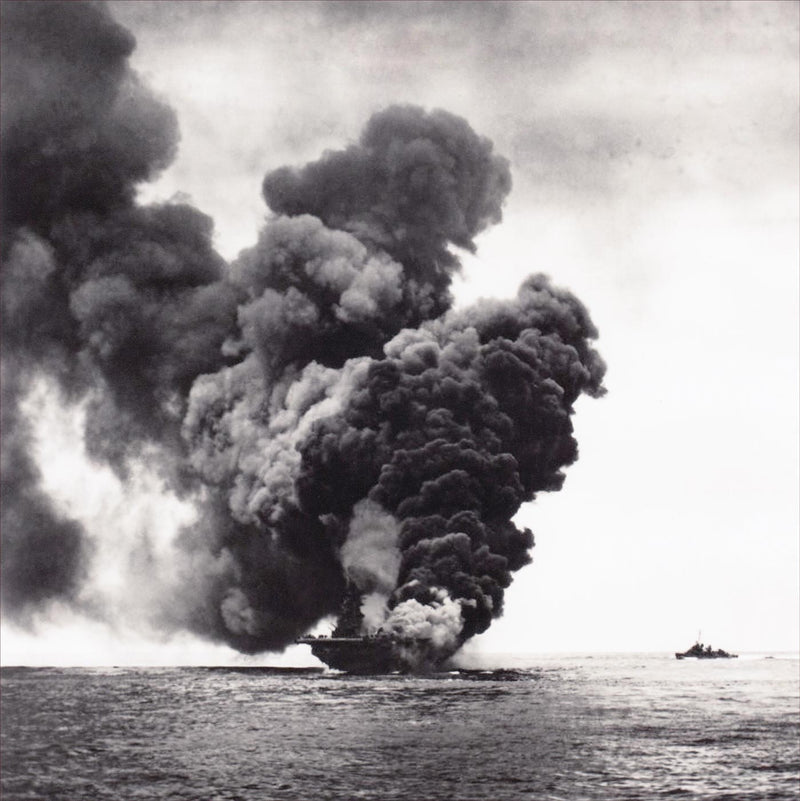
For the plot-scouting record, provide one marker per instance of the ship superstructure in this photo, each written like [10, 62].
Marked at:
[349, 650]
[698, 651]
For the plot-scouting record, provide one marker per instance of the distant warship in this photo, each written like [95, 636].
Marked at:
[349, 650]
[699, 651]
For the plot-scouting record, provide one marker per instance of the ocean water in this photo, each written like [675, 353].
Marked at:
[568, 727]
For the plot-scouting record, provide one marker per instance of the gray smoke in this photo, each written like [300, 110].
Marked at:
[120, 305]
[385, 449]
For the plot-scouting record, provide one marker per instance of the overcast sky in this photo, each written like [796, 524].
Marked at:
[654, 156]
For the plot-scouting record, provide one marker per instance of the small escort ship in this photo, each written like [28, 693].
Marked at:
[352, 652]
[699, 651]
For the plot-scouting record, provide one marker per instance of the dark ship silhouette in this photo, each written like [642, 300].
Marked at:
[349, 650]
[699, 651]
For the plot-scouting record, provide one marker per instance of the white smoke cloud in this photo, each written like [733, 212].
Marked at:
[132, 525]
[375, 608]
[370, 555]
[235, 442]
[371, 559]
[438, 623]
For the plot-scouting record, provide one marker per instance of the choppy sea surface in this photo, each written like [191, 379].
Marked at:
[540, 727]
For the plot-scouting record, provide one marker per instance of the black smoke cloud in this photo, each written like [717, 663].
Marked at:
[79, 130]
[333, 419]
[414, 183]
[464, 420]
[369, 434]
[120, 306]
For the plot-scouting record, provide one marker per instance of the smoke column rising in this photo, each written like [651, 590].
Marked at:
[121, 306]
[331, 417]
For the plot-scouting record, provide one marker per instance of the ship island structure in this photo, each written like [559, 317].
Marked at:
[349, 650]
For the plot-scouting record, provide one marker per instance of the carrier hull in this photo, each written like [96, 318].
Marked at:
[364, 655]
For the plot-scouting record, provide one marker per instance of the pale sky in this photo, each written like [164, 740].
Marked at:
[654, 154]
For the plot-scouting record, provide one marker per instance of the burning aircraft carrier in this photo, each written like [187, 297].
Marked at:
[349, 650]
[333, 419]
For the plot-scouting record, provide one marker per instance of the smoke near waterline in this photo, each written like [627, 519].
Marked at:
[119, 305]
[332, 419]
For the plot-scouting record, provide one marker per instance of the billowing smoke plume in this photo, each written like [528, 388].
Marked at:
[335, 421]
[120, 305]
[368, 434]
[413, 184]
